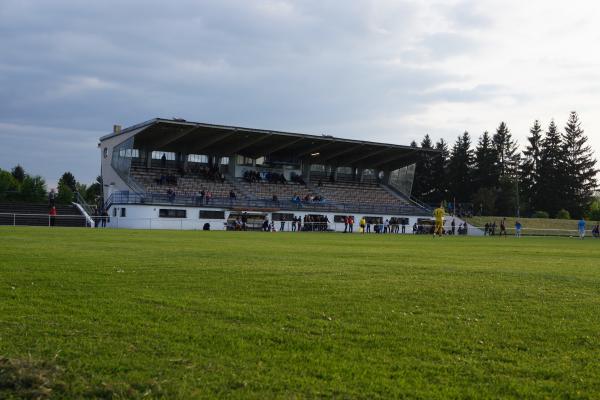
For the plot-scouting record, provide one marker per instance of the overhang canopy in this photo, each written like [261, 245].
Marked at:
[200, 138]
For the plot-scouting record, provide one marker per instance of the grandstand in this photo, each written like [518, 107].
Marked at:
[164, 170]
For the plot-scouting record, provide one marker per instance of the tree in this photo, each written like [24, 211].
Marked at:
[506, 151]
[69, 180]
[439, 173]
[33, 189]
[484, 169]
[484, 201]
[580, 171]
[9, 186]
[551, 185]
[459, 169]
[424, 180]
[529, 171]
[65, 194]
[18, 173]
[94, 191]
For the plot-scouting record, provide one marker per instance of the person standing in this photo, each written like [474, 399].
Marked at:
[346, 218]
[52, 215]
[438, 214]
[453, 225]
[282, 226]
[518, 227]
[363, 225]
[581, 226]
[350, 223]
[503, 227]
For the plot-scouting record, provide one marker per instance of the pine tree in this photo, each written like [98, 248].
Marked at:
[484, 171]
[440, 174]
[551, 186]
[459, 169]
[529, 170]
[506, 151]
[424, 180]
[580, 171]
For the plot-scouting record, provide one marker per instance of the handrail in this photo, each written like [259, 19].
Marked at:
[197, 201]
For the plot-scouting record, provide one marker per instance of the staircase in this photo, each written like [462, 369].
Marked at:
[36, 214]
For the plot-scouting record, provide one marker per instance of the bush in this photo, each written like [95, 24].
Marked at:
[563, 214]
[540, 214]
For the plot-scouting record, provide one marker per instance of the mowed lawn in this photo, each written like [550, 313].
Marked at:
[167, 314]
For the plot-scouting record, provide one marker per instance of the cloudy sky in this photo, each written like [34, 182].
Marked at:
[389, 71]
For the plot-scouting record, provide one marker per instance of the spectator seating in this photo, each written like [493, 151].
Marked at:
[188, 185]
[265, 191]
[363, 193]
[36, 214]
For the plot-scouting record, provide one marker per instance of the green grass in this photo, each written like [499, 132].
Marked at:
[535, 226]
[127, 314]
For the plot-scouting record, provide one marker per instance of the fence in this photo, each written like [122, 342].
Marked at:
[18, 219]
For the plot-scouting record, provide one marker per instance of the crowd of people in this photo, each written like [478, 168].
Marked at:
[252, 176]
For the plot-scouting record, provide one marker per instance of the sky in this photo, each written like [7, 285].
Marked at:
[388, 71]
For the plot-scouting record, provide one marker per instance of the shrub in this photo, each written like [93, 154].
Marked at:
[563, 214]
[540, 214]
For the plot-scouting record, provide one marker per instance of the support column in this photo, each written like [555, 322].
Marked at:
[359, 174]
[231, 167]
[306, 171]
[148, 154]
[386, 177]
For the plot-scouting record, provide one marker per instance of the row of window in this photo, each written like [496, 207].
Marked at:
[175, 213]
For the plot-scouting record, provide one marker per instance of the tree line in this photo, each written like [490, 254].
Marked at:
[554, 175]
[17, 185]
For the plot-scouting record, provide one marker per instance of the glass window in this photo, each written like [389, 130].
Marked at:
[205, 214]
[198, 158]
[123, 212]
[157, 155]
[171, 213]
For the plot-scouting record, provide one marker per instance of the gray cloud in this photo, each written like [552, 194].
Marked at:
[71, 69]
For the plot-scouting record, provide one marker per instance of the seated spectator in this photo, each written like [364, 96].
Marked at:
[275, 198]
[232, 195]
[171, 195]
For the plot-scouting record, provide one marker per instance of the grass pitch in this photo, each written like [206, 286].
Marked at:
[128, 314]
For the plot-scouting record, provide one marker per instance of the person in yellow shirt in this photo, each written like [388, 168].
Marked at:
[362, 224]
[438, 213]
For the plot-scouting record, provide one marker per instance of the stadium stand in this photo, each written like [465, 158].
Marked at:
[36, 214]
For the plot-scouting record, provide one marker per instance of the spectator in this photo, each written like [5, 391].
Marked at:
[266, 225]
[51, 198]
[163, 161]
[486, 229]
[503, 227]
[282, 226]
[244, 220]
[351, 223]
[275, 198]
[345, 218]
[581, 227]
[518, 229]
[453, 227]
[232, 195]
[104, 218]
[403, 225]
[52, 215]
[596, 231]
[415, 229]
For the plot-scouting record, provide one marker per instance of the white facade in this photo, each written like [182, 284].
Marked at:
[135, 216]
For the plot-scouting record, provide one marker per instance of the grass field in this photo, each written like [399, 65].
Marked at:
[128, 314]
[535, 226]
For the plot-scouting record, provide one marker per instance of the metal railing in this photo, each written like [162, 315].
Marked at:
[21, 219]
[197, 201]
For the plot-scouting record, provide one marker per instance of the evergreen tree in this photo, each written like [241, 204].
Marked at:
[439, 173]
[68, 179]
[424, 180]
[18, 173]
[33, 188]
[529, 171]
[549, 196]
[506, 151]
[580, 171]
[484, 169]
[459, 169]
